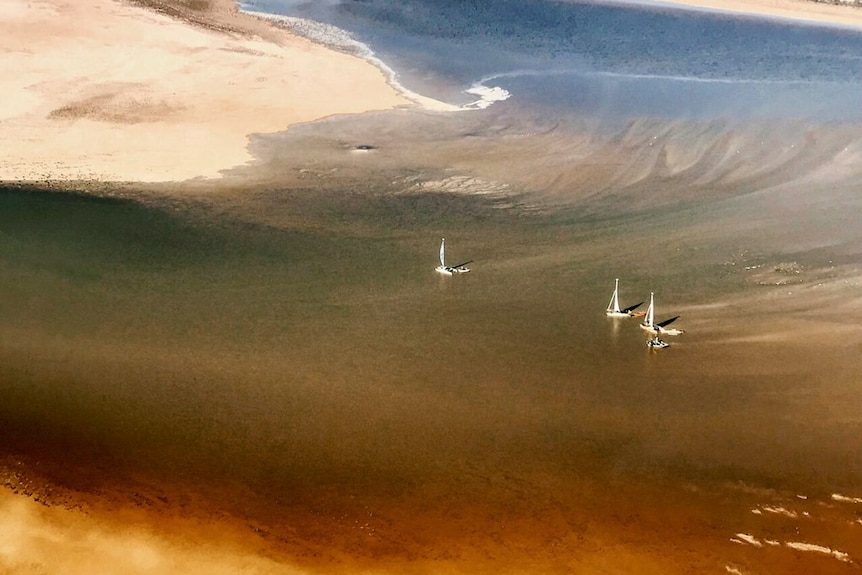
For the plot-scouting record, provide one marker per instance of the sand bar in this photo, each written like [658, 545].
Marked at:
[111, 91]
[843, 13]
[99, 89]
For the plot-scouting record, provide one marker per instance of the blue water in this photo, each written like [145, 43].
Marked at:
[604, 59]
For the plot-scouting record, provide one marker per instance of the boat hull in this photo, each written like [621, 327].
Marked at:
[614, 313]
[448, 271]
[611, 313]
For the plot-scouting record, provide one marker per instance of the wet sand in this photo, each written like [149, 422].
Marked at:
[112, 91]
[263, 373]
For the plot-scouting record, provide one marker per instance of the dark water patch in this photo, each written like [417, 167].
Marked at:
[79, 264]
[63, 231]
[372, 373]
[148, 355]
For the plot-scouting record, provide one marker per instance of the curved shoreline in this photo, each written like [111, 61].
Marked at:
[107, 91]
[325, 35]
[202, 81]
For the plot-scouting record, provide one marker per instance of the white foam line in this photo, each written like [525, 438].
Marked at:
[634, 76]
[491, 94]
[746, 538]
[780, 511]
[845, 499]
[337, 38]
[840, 555]
[733, 570]
[695, 79]
[523, 73]
[497, 94]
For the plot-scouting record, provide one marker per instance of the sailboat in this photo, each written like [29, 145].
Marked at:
[651, 326]
[450, 270]
[655, 342]
[614, 310]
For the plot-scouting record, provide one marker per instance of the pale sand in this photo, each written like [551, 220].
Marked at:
[98, 89]
[802, 10]
[41, 538]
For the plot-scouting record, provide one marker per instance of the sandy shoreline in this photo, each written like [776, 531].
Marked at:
[76, 107]
[799, 10]
[201, 83]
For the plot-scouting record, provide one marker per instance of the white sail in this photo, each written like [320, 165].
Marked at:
[449, 270]
[613, 309]
[614, 304]
[442, 255]
[649, 320]
[651, 326]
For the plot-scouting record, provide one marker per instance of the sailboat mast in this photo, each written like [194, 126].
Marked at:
[650, 314]
[614, 306]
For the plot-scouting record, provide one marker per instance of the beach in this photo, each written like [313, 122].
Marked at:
[224, 347]
[116, 92]
[195, 92]
[841, 14]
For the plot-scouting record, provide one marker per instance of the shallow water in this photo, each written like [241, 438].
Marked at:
[297, 345]
[281, 343]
